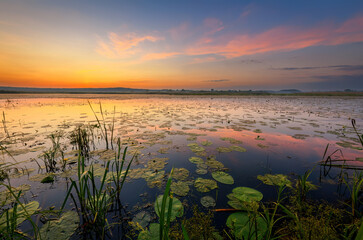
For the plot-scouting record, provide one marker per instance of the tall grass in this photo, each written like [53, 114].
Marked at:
[105, 129]
[55, 151]
[92, 200]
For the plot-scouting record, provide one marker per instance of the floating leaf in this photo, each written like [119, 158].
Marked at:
[48, 179]
[201, 171]
[180, 174]
[180, 188]
[207, 201]
[195, 147]
[223, 149]
[205, 185]
[247, 194]
[214, 164]
[207, 143]
[223, 177]
[63, 228]
[142, 218]
[177, 209]
[276, 180]
[244, 228]
[231, 140]
[30, 209]
[152, 234]
[157, 163]
[262, 146]
[237, 148]
[196, 160]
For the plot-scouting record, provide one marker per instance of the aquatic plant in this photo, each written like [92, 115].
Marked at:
[82, 137]
[95, 200]
[53, 153]
[10, 219]
[102, 125]
[355, 187]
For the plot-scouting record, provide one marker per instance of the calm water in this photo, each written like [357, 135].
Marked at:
[285, 135]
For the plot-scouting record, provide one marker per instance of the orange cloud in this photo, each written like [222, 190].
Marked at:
[157, 56]
[123, 45]
[279, 39]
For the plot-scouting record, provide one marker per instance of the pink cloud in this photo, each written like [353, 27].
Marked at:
[180, 32]
[281, 38]
[123, 45]
[213, 25]
[162, 55]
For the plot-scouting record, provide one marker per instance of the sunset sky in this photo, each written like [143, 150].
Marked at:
[220, 44]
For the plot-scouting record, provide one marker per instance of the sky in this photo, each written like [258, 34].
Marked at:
[182, 44]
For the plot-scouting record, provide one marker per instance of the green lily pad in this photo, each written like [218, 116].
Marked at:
[223, 177]
[180, 174]
[262, 146]
[201, 171]
[195, 147]
[180, 188]
[6, 197]
[224, 149]
[142, 218]
[205, 185]
[196, 160]
[154, 179]
[152, 234]
[212, 163]
[275, 180]
[247, 194]
[137, 173]
[30, 208]
[177, 209]
[48, 179]
[63, 228]
[243, 228]
[208, 201]
[207, 143]
[237, 148]
[231, 140]
[257, 131]
[157, 163]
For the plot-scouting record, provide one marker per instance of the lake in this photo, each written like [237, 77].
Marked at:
[243, 136]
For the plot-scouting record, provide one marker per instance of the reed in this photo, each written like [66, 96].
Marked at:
[105, 130]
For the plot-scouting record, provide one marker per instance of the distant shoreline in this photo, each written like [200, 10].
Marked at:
[194, 93]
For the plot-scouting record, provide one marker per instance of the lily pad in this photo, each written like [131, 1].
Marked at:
[205, 185]
[207, 143]
[195, 147]
[276, 180]
[247, 194]
[177, 209]
[244, 228]
[22, 213]
[63, 228]
[224, 149]
[152, 234]
[208, 201]
[237, 148]
[180, 188]
[180, 174]
[223, 177]
[212, 163]
[157, 163]
[196, 160]
[231, 140]
[48, 179]
[142, 218]
[201, 171]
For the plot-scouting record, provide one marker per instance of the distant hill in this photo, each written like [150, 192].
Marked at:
[71, 90]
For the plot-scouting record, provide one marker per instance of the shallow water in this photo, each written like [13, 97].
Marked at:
[285, 135]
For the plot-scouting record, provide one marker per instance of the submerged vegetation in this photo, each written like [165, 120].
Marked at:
[93, 205]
